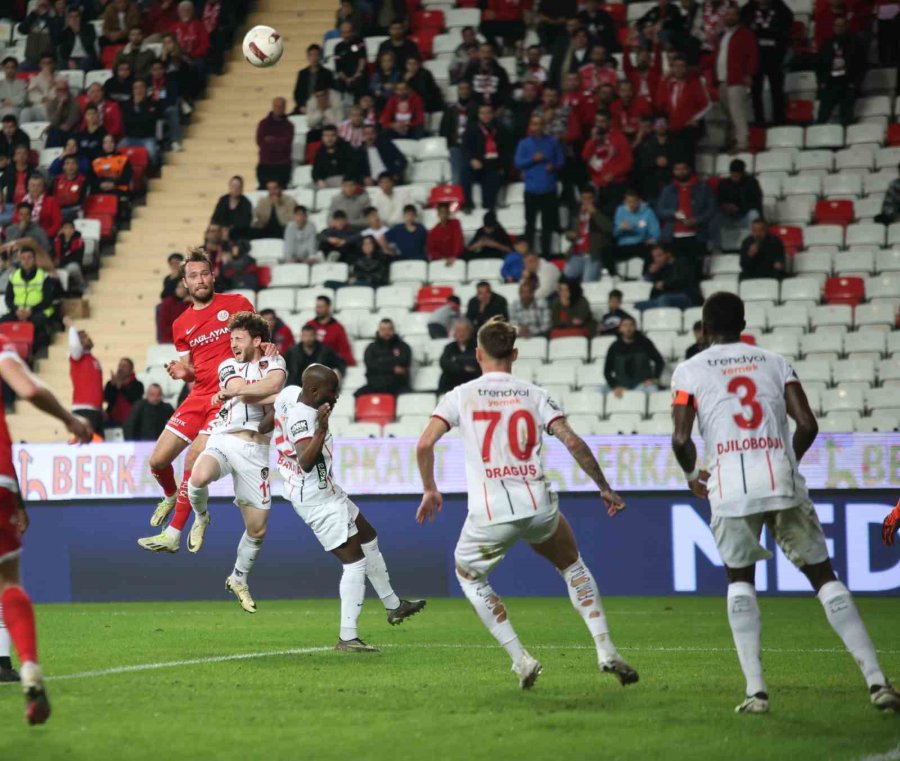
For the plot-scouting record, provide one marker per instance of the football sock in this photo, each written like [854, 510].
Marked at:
[841, 612]
[248, 549]
[182, 504]
[353, 592]
[18, 615]
[492, 612]
[746, 628]
[165, 477]
[377, 572]
[586, 600]
[5, 662]
[198, 496]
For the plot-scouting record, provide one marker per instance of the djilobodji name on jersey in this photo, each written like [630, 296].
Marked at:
[508, 471]
[743, 445]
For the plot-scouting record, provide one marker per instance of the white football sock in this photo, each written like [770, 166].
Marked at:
[353, 592]
[199, 498]
[377, 572]
[492, 612]
[248, 549]
[746, 628]
[841, 612]
[586, 600]
[173, 532]
[4, 637]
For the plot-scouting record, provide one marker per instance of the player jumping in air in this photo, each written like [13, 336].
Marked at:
[891, 522]
[742, 397]
[17, 612]
[502, 421]
[305, 455]
[201, 338]
[239, 447]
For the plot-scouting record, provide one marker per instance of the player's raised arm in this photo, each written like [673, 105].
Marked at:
[684, 449]
[259, 392]
[432, 501]
[798, 410]
[583, 455]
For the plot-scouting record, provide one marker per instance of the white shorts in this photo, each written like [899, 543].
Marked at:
[480, 548]
[796, 530]
[248, 464]
[333, 521]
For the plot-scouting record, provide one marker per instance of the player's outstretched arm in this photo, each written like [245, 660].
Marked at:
[583, 455]
[27, 386]
[685, 451]
[798, 409]
[432, 501]
[259, 392]
[310, 450]
[889, 527]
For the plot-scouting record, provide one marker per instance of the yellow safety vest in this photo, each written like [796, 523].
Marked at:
[29, 293]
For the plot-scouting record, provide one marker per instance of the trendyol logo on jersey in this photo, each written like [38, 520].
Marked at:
[502, 392]
[207, 338]
[744, 445]
[744, 359]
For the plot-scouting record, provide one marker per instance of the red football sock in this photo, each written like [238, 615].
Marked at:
[182, 504]
[18, 615]
[166, 479]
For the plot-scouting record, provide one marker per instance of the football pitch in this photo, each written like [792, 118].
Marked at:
[178, 681]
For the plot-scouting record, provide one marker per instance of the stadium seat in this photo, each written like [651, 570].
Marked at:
[267, 250]
[290, 276]
[573, 347]
[21, 335]
[881, 421]
[771, 184]
[842, 399]
[876, 105]
[585, 402]
[844, 290]
[654, 426]
[892, 137]
[756, 314]
[834, 212]
[788, 316]
[409, 271]
[853, 371]
[824, 235]
[619, 423]
[460, 17]
[811, 263]
[664, 341]
[865, 344]
[355, 297]
[813, 370]
[365, 430]
[280, 299]
[633, 402]
[824, 344]
[781, 160]
[395, 296]
[661, 319]
[600, 346]
[824, 136]
[306, 297]
[865, 234]
[866, 209]
[443, 272]
[831, 315]
[532, 348]
[842, 184]
[787, 344]
[659, 402]
[763, 289]
[886, 285]
[839, 422]
[877, 313]
[139, 159]
[814, 160]
[882, 399]
[709, 287]
[408, 427]
[784, 137]
[585, 425]
[790, 236]
[432, 297]
[800, 289]
[889, 369]
[484, 269]
[725, 264]
[158, 355]
[855, 261]
[878, 182]
[558, 378]
[864, 134]
[857, 157]
[325, 271]
[415, 404]
[427, 19]
[375, 408]
[723, 162]
[800, 111]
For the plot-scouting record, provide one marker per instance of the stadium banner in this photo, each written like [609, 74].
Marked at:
[62, 472]
[660, 545]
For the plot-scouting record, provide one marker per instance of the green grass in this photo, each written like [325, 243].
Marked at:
[441, 690]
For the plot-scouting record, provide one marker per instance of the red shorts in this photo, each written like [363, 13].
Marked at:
[192, 418]
[10, 530]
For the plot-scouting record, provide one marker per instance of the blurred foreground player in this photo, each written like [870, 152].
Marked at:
[502, 421]
[17, 612]
[742, 397]
[889, 527]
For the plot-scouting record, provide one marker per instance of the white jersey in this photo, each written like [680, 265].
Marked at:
[738, 392]
[295, 422]
[502, 421]
[236, 415]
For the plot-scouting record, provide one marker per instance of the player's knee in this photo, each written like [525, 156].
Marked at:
[819, 574]
[256, 532]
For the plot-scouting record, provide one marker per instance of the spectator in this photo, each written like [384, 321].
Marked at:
[170, 309]
[311, 79]
[12, 136]
[118, 87]
[330, 332]
[15, 182]
[68, 254]
[542, 273]
[464, 54]
[502, 22]
[699, 342]
[233, 211]
[173, 277]
[489, 80]
[644, 74]
[12, 89]
[609, 323]
[353, 201]
[762, 254]
[608, 157]
[118, 17]
[454, 122]
[686, 207]
[513, 266]
[674, 282]
[163, 91]
[139, 117]
[347, 11]
[69, 149]
[31, 295]
[160, 17]
[350, 62]
[221, 19]
[310, 351]
[192, 36]
[370, 267]
[403, 115]
[91, 134]
[78, 44]
[440, 320]
[108, 110]
[215, 242]
[409, 237]
[41, 28]
[490, 241]
[350, 130]
[740, 201]
[26, 226]
[279, 333]
[86, 375]
[422, 83]
[530, 69]
[148, 416]
[737, 60]
[45, 209]
[113, 174]
[334, 160]
[324, 107]
[122, 390]
[64, 115]
[300, 239]
[684, 100]
[39, 92]
[591, 237]
[337, 241]
[841, 69]
[275, 138]
[485, 147]
[771, 22]
[600, 26]
[631, 115]
[635, 228]
[399, 44]
[458, 362]
[389, 200]
[385, 78]
[484, 305]
[445, 239]
[273, 211]
[570, 312]
[377, 230]
[540, 158]
[180, 68]
[70, 189]
[235, 268]
[528, 313]
[632, 361]
[378, 155]
[139, 58]
[388, 359]
[890, 207]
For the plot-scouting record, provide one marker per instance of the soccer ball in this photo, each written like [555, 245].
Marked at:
[263, 46]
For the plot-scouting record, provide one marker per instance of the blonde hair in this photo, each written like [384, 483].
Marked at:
[497, 338]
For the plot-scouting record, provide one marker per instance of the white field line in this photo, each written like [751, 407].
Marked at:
[892, 755]
[423, 646]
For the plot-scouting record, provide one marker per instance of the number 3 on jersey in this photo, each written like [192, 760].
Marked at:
[747, 399]
[520, 449]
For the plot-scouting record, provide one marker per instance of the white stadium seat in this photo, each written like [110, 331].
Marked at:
[831, 315]
[864, 133]
[876, 314]
[398, 295]
[775, 160]
[325, 271]
[306, 297]
[787, 344]
[812, 262]
[440, 272]
[824, 343]
[836, 399]
[411, 271]
[843, 421]
[634, 402]
[532, 348]
[812, 160]
[355, 297]
[853, 371]
[866, 344]
[865, 234]
[282, 300]
[570, 347]
[661, 319]
[784, 137]
[801, 289]
[824, 136]
[842, 184]
[788, 316]
[484, 269]
[763, 289]
[886, 285]
[584, 402]
[160, 355]
[290, 275]
[813, 370]
[824, 235]
[267, 250]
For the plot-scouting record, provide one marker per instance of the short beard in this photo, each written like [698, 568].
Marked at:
[198, 300]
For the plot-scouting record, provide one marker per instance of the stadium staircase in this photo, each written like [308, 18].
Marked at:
[220, 142]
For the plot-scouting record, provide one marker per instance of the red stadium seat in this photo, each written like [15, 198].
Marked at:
[893, 134]
[426, 19]
[432, 297]
[791, 237]
[263, 276]
[21, 335]
[757, 139]
[845, 290]
[140, 160]
[834, 213]
[618, 11]
[25, 76]
[104, 207]
[452, 194]
[800, 112]
[424, 40]
[748, 338]
[569, 332]
[375, 408]
[311, 150]
[108, 55]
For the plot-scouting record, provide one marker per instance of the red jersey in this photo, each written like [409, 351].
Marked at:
[8, 478]
[203, 335]
[87, 382]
